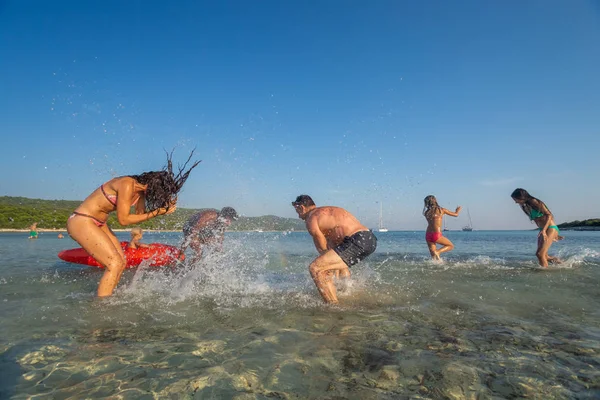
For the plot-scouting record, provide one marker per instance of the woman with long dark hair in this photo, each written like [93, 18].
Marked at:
[150, 193]
[537, 212]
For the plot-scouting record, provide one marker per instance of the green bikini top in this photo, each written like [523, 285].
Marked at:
[535, 214]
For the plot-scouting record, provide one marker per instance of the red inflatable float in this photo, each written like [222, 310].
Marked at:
[158, 254]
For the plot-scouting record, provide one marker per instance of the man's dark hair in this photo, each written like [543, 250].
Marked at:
[229, 213]
[304, 200]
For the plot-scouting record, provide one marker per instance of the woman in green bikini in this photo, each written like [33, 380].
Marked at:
[537, 212]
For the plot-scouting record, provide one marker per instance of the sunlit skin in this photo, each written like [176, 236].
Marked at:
[100, 242]
[328, 227]
[434, 224]
[547, 235]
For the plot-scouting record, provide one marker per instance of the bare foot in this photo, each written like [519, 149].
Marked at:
[554, 260]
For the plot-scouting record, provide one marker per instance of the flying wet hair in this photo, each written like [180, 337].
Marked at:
[531, 203]
[164, 185]
[431, 207]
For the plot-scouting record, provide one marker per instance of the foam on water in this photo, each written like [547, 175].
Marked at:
[235, 279]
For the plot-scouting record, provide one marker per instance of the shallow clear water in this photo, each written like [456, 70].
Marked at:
[249, 324]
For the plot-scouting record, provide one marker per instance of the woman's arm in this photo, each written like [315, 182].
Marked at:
[125, 194]
[125, 218]
[452, 214]
[140, 206]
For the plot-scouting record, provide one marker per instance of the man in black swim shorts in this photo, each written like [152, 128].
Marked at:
[340, 239]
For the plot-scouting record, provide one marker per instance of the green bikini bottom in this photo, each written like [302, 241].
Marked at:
[552, 227]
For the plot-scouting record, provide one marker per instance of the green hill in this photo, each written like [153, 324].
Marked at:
[21, 212]
[588, 224]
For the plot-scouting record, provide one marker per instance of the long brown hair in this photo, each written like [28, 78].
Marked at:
[530, 203]
[164, 185]
[431, 207]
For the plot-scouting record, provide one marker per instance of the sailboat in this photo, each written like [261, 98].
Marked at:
[445, 229]
[468, 228]
[381, 228]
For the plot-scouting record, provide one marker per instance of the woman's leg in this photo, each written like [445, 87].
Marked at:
[544, 246]
[99, 245]
[446, 243]
[433, 250]
[117, 245]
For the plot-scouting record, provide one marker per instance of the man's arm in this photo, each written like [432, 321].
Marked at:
[221, 239]
[320, 240]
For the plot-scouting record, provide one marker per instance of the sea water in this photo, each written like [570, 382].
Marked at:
[248, 323]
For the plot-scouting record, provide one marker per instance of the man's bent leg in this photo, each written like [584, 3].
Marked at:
[322, 269]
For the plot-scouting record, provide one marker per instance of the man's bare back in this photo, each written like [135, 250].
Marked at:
[207, 228]
[203, 225]
[335, 223]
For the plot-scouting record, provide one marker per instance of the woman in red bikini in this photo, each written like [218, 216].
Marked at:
[155, 191]
[433, 235]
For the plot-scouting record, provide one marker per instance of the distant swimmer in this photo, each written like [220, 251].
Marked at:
[136, 236]
[537, 212]
[434, 215]
[33, 233]
[150, 194]
[207, 229]
[61, 236]
[340, 239]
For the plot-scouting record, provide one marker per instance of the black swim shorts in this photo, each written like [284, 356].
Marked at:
[356, 247]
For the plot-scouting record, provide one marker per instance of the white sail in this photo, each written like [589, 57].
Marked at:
[381, 228]
[468, 228]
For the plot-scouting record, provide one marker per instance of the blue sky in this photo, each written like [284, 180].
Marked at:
[351, 102]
